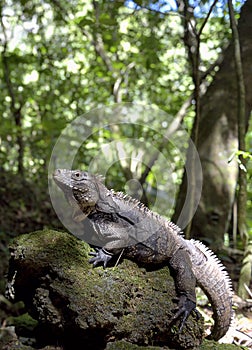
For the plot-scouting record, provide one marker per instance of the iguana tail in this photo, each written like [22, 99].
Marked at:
[213, 279]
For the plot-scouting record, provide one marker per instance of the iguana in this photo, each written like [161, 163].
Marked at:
[123, 224]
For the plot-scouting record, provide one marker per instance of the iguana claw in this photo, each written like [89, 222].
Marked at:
[185, 307]
[100, 256]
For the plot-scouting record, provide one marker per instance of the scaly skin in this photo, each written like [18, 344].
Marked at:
[123, 224]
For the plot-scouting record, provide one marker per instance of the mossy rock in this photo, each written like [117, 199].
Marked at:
[75, 303]
[206, 345]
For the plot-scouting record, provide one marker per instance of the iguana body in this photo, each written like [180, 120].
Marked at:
[123, 223]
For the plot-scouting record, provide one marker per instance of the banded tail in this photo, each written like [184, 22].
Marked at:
[212, 277]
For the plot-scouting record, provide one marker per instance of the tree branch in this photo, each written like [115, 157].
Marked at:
[207, 17]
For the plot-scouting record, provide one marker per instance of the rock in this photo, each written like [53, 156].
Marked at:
[123, 345]
[75, 303]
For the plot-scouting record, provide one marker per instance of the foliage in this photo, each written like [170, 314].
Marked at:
[57, 71]
[62, 59]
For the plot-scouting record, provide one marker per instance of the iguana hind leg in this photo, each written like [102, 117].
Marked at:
[185, 283]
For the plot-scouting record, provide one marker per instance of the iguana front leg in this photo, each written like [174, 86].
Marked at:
[116, 237]
[100, 256]
[185, 283]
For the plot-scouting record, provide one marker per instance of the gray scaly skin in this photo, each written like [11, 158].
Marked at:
[123, 224]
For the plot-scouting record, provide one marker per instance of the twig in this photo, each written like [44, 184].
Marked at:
[119, 258]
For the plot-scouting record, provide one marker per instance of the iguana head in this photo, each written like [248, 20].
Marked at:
[81, 190]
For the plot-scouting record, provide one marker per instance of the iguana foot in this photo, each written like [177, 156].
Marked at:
[101, 255]
[184, 309]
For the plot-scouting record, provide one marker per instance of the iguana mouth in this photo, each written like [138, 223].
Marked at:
[62, 181]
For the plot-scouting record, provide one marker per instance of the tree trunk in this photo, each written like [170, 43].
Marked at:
[218, 139]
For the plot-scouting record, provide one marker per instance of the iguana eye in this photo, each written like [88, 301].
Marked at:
[77, 175]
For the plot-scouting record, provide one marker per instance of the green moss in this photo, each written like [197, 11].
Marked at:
[207, 345]
[123, 345]
[23, 323]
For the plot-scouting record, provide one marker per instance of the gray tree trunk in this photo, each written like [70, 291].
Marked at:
[218, 139]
